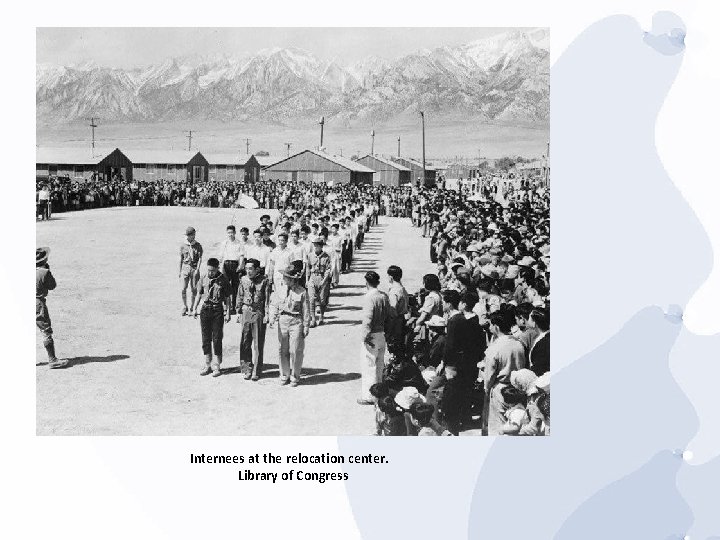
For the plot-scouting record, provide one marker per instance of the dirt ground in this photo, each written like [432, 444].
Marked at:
[135, 362]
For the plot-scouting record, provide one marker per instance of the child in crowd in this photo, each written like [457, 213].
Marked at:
[421, 416]
[515, 414]
[393, 423]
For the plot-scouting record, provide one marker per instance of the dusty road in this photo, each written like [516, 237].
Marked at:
[135, 361]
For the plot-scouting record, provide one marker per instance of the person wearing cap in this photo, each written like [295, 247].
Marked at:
[45, 282]
[214, 292]
[376, 314]
[252, 307]
[290, 308]
[232, 255]
[319, 274]
[189, 272]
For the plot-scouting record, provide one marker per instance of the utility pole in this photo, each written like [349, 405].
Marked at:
[372, 143]
[398, 146]
[247, 146]
[93, 125]
[341, 152]
[322, 130]
[422, 115]
[288, 145]
[189, 138]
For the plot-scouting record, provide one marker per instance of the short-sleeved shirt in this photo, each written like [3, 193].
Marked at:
[281, 258]
[319, 264]
[232, 250]
[261, 253]
[214, 290]
[191, 254]
[44, 281]
[433, 304]
[398, 297]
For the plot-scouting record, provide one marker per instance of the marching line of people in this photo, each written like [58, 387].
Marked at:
[471, 349]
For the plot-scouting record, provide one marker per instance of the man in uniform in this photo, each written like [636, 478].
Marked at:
[319, 274]
[214, 293]
[253, 297]
[291, 310]
[232, 256]
[189, 273]
[44, 282]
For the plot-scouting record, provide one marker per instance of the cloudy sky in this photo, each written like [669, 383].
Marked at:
[133, 47]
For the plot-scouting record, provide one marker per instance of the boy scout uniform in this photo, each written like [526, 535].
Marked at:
[292, 312]
[44, 282]
[318, 281]
[252, 297]
[212, 318]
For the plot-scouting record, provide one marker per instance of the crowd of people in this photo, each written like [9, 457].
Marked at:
[472, 348]
[61, 194]
[469, 350]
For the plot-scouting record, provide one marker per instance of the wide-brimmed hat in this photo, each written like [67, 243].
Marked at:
[41, 255]
[436, 321]
[293, 271]
[407, 396]
[190, 230]
[318, 240]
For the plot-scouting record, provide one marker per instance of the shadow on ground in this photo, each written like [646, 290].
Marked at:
[342, 308]
[351, 323]
[80, 360]
[325, 378]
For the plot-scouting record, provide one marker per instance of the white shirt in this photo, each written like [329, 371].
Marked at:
[232, 250]
[261, 253]
[281, 258]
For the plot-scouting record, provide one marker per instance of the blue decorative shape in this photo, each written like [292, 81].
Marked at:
[613, 410]
[629, 507]
[668, 34]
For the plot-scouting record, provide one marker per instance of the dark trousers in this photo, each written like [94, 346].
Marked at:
[230, 270]
[346, 256]
[252, 341]
[212, 320]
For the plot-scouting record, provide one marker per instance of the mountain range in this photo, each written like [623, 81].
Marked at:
[502, 78]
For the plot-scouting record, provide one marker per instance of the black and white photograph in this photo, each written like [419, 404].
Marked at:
[293, 231]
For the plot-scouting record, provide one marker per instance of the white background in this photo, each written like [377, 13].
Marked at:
[144, 487]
